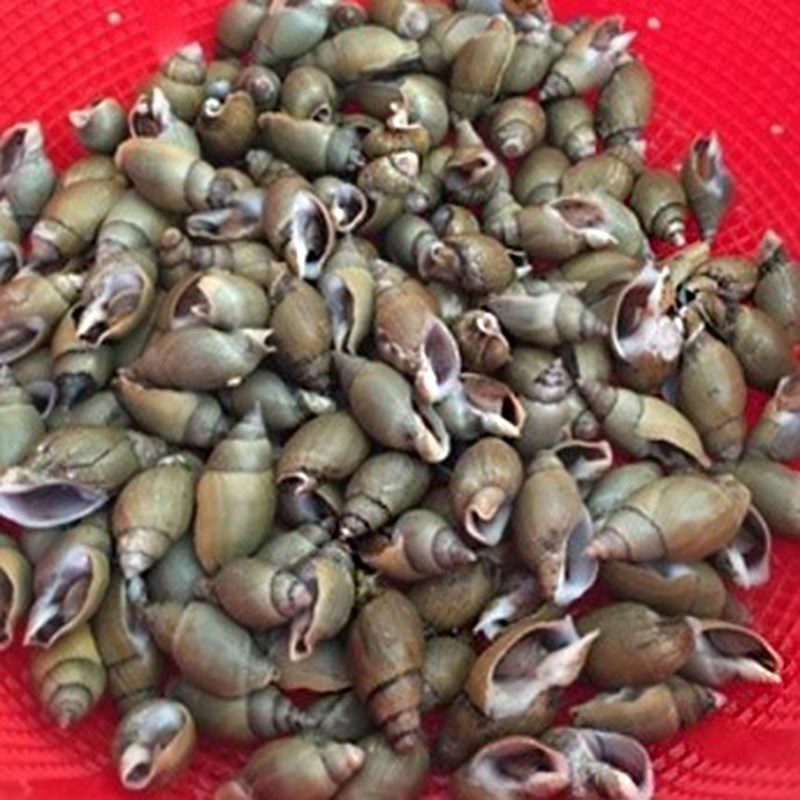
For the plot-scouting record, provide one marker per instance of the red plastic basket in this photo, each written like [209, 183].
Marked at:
[733, 67]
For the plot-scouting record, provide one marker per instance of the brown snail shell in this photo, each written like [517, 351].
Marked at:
[538, 179]
[366, 51]
[69, 222]
[31, 306]
[552, 528]
[454, 600]
[587, 462]
[516, 126]
[603, 764]
[511, 768]
[613, 172]
[210, 649]
[636, 646]
[328, 447]
[478, 68]
[220, 299]
[294, 767]
[618, 484]
[625, 105]
[237, 24]
[589, 58]
[546, 315]
[484, 347]
[262, 714]
[69, 582]
[256, 594]
[673, 588]
[384, 486]
[134, 665]
[707, 183]
[712, 393]
[153, 743]
[776, 435]
[69, 678]
[570, 126]
[485, 481]
[778, 287]
[193, 419]
[725, 651]
[645, 336]
[659, 200]
[680, 517]
[302, 332]
[201, 359]
[480, 404]
[387, 669]
[410, 336]
[651, 713]
[382, 402]
[406, 18]
[419, 545]
[644, 425]
[236, 495]
[16, 584]
[309, 93]
[328, 578]
[349, 293]
[227, 128]
[71, 473]
[153, 511]
[529, 659]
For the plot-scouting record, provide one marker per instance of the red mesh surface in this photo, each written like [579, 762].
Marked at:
[731, 66]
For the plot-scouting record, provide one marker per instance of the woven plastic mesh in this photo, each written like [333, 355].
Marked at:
[733, 67]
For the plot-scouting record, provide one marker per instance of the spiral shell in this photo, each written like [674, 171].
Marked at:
[387, 669]
[680, 517]
[263, 714]
[210, 649]
[294, 767]
[68, 678]
[153, 743]
[384, 486]
[236, 495]
[635, 646]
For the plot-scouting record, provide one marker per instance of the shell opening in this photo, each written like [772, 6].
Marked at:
[119, 298]
[13, 150]
[339, 303]
[49, 504]
[440, 363]
[519, 761]
[578, 570]
[545, 658]
[631, 773]
[747, 558]
[18, 339]
[311, 236]
[727, 652]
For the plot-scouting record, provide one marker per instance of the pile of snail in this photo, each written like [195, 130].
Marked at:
[343, 363]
